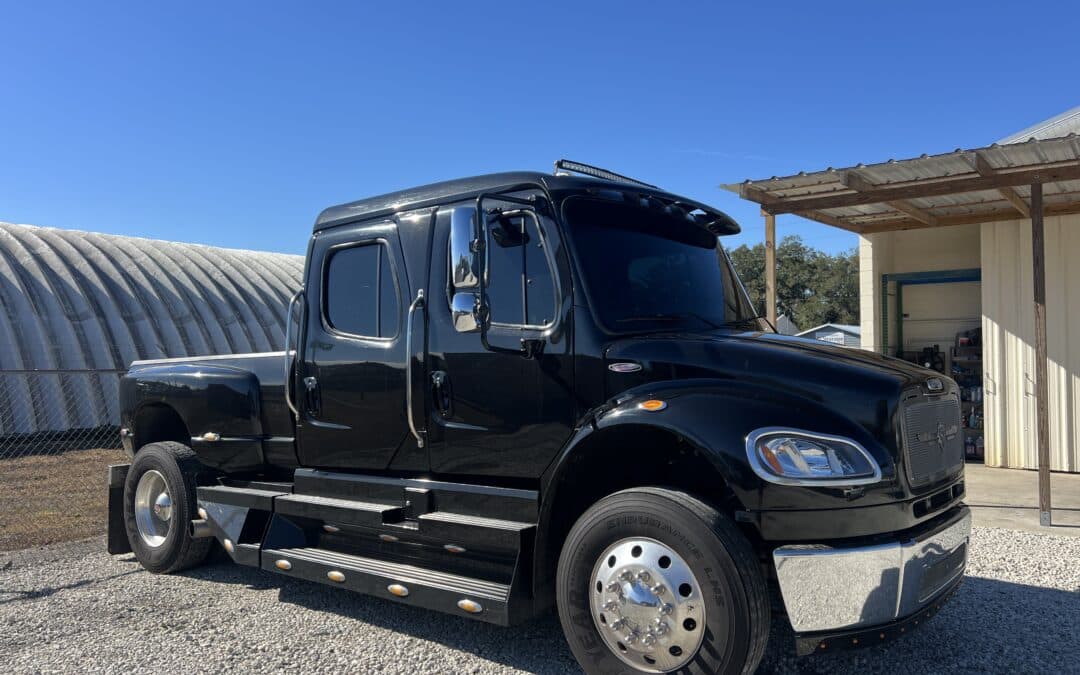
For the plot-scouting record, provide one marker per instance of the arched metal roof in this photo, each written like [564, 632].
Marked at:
[82, 301]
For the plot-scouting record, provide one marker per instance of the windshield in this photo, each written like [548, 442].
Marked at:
[649, 270]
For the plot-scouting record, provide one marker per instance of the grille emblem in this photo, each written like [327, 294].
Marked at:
[939, 435]
[935, 384]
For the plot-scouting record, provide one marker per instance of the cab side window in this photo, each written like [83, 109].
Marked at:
[520, 285]
[361, 293]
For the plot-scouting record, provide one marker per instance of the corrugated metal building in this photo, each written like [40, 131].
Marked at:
[946, 263]
[77, 307]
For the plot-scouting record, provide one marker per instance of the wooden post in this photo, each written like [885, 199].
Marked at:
[770, 268]
[1042, 387]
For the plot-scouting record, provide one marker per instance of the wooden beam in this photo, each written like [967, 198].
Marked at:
[929, 188]
[982, 165]
[770, 268]
[856, 181]
[1061, 209]
[1042, 387]
[915, 212]
[832, 220]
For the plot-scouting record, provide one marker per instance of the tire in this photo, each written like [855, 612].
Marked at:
[175, 549]
[734, 598]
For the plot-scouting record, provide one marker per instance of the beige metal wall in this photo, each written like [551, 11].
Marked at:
[946, 248]
[1009, 336]
[1003, 251]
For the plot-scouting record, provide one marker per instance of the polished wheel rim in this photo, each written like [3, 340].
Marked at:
[153, 508]
[647, 605]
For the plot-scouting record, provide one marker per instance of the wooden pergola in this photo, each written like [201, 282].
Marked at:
[1028, 180]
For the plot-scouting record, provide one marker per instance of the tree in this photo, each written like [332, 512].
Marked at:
[812, 287]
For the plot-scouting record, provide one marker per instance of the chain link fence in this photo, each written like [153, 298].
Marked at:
[58, 433]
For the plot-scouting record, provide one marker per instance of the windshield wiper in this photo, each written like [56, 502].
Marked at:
[676, 316]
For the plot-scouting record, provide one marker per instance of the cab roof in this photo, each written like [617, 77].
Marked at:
[465, 188]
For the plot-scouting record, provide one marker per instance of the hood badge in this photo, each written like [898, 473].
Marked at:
[624, 367]
[935, 384]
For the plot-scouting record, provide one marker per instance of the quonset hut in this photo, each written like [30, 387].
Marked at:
[76, 308]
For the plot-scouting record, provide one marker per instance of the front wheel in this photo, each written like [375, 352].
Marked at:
[653, 580]
[159, 503]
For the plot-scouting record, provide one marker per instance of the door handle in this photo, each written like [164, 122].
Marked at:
[440, 392]
[314, 400]
[418, 303]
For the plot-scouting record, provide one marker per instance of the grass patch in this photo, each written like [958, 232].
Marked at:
[47, 499]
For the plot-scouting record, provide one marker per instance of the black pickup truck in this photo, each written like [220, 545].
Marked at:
[517, 391]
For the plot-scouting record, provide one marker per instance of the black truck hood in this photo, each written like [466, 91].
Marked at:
[845, 384]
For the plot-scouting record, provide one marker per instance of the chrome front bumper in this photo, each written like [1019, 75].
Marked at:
[830, 588]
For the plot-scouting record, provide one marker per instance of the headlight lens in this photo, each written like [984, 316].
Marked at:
[796, 457]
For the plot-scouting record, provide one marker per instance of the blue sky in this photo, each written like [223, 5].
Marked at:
[234, 123]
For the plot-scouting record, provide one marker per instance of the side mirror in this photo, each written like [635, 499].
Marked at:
[465, 248]
[463, 312]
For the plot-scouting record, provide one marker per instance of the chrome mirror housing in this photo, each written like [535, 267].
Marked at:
[464, 250]
[463, 310]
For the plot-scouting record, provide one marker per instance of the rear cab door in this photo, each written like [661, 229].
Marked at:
[351, 382]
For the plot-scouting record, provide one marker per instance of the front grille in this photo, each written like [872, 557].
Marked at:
[933, 438]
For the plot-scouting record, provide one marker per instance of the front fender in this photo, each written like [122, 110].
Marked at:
[715, 416]
[213, 399]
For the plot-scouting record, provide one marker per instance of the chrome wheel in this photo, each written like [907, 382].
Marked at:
[647, 605]
[153, 508]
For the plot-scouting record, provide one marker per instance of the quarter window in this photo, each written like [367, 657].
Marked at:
[361, 296]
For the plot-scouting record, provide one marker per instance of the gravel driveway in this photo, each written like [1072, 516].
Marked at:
[74, 608]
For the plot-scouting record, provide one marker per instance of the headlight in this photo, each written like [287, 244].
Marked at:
[796, 457]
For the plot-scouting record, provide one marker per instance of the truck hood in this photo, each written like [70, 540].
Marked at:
[851, 384]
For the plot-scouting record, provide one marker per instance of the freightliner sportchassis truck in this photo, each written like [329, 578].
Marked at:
[517, 391]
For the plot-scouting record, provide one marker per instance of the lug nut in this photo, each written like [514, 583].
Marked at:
[627, 575]
[614, 587]
[612, 605]
[661, 627]
[659, 589]
[648, 640]
[667, 608]
[631, 637]
[644, 577]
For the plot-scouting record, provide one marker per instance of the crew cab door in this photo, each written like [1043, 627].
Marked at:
[350, 387]
[494, 409]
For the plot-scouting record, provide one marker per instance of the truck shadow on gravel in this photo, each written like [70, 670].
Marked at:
[989, 626]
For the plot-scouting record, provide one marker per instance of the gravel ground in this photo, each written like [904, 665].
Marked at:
[74, 608]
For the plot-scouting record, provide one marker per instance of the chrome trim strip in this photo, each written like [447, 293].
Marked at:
[416, 304]
[829, 588]
[755, 460]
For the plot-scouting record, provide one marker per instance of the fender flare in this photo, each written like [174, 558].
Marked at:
[222, 401]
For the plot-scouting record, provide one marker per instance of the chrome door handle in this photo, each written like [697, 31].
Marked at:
[418, 303]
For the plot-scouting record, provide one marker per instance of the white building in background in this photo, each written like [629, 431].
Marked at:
[845, 335]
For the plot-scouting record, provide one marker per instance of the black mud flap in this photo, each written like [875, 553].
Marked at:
[117, 541]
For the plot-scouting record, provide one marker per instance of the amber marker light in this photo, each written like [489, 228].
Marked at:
[653, 405]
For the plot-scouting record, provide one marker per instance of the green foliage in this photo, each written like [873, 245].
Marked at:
[812, 287]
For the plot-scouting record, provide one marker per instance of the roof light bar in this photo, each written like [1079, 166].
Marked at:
[564, 166]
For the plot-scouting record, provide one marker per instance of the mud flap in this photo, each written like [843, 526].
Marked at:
[116, 540]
